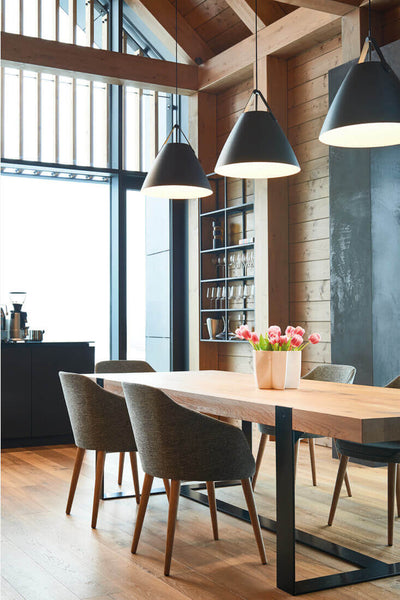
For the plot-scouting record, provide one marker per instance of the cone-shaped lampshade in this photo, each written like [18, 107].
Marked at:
[176, 173]
[257, 148]
[365, 112]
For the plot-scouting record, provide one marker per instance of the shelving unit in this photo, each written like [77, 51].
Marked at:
[227, 283]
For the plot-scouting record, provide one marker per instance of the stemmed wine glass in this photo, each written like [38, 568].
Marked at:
[239, 293]
[250, 261]
[231, 265]
[223, 296]
[217, 297]
[231, 295]
[246, 294]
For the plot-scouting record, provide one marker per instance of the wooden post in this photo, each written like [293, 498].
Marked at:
[354, 32]
[272, 224]
[203, 138]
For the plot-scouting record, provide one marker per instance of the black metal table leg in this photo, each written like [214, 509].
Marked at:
[285, 501]
[247, 428]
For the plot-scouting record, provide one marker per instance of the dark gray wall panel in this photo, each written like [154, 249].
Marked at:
[351, 277]
[385, 191]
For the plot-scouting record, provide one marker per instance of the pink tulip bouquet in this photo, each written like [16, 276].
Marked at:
[293, 339]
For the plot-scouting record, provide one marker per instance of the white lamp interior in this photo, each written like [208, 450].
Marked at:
[363, 135]
[257, 170]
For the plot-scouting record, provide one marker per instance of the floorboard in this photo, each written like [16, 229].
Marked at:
[47, 555]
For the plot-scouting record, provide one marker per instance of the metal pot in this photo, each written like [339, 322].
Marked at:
[35, 335]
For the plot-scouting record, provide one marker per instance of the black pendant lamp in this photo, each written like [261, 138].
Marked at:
[257, 147]
[176, 172]
[365, 112]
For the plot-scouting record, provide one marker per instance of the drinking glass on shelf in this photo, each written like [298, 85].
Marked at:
[241, 262]
[239, 293]
[252, 292]
[223, 296]
[231, 295]
[250, 262]
[217, 296]
[231, 265]
[246, 293]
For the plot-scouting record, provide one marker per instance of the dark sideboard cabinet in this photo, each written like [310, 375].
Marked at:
[33, 410]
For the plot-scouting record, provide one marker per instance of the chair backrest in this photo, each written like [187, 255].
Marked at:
[177, 443]
[395, 383]
[99, 419]
[123, 366]
[335, 373]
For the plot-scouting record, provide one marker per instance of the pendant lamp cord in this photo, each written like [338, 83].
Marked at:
[256, 28]
[178, 116]
[369, 31]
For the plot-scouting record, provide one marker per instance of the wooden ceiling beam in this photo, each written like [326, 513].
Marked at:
[48, 56]
[267, 12]
[159, 16]
[283, 37]
[334, 7]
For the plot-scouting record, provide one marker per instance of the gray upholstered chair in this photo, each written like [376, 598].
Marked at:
[327, 372]
[100, 422]
[123, 366]
[179, 444]
[388, 452]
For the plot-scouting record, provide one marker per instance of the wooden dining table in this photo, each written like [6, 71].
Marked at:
[357, 413]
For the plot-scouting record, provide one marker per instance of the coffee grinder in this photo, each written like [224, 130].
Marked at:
[18, 326]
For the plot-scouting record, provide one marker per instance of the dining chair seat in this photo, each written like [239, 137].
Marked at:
[381, 452]
[183, 445]
[100, 422]
[384, 452]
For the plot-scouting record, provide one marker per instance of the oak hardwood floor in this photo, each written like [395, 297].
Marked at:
[47, 555]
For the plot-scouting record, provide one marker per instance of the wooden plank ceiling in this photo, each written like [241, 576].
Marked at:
[221, 24]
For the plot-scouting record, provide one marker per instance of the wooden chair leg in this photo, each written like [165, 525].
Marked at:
[101, 456]
[264, 439]
[172, 512]
[311, 446]
[213, 507]
[346, 475]
[166, 485]
[146, 489]
[398, 490]
[80, 453]
[347, 484]
[135, 474]
[391, 493]
[248, 494]
[121, 467]
[338, 486]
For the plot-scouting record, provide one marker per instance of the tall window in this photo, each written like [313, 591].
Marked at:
[55, 246]
[55, 150]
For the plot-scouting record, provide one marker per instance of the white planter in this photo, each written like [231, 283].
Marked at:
[277, 370]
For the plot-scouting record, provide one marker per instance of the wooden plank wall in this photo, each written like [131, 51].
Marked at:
[309, 195]
[230, 104]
